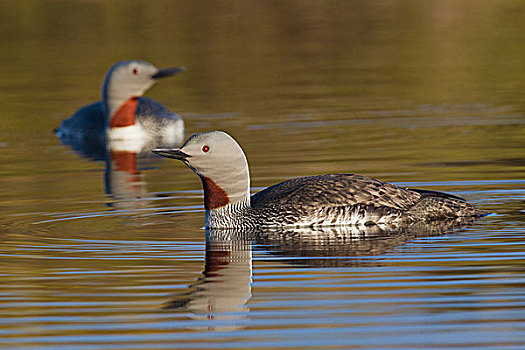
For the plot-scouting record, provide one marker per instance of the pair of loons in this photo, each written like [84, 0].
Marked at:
[219, 161]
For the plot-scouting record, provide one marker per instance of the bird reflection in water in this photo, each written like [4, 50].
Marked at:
[123, 181]
[221, 294]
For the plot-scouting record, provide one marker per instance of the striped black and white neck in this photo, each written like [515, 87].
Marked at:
[321, 200]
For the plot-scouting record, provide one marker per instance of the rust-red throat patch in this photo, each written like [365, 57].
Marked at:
[214, 196]
[125, 115]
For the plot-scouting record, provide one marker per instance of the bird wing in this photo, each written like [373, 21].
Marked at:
[87, 120]
[154, 117]
[437, 194]
[335, 190]
[149, 108]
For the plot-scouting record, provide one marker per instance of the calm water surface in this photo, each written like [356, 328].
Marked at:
[421, 94]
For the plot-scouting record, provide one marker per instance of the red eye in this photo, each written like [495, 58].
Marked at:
[135, 71]
[205, 149]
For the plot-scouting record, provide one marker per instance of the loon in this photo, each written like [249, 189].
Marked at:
[321, 200]
[122, 112]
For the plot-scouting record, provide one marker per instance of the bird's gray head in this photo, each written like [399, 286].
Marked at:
[220, 163]
[127, 80]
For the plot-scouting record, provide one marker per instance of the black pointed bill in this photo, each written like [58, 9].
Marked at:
[168, 72]
[174, 153]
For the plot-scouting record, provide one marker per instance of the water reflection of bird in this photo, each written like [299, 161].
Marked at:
[221, 294]
[122, 115]
[332, 199]
[333, 246]
[124, 183]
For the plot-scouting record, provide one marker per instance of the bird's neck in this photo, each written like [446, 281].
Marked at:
[226, 204]
[232, 215]
[123, 114]
[230, 192]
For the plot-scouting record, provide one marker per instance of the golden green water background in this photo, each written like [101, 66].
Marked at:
[419, 93]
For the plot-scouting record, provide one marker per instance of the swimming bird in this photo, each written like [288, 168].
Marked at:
[122, 112]
[320, 200]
